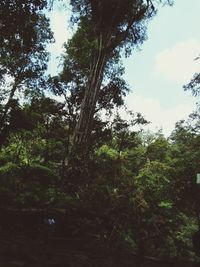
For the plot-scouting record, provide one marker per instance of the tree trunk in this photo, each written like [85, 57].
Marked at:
[84, 125]
[3, 131]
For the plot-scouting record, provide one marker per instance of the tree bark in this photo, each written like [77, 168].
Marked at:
[84, 125]
[5, 114]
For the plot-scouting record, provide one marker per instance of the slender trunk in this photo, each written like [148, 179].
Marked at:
[84, 125]
[7, 107]
[5, 114]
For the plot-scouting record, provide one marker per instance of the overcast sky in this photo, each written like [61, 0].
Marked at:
[158, 71]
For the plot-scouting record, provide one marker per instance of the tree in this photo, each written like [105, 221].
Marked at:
[107, 36]
[159, 149]
[24, 34]
[72, 81]
[185, 160]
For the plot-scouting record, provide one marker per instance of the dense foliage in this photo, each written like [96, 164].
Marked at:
[136, 191]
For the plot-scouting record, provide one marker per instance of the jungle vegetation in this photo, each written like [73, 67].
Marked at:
[121, 188]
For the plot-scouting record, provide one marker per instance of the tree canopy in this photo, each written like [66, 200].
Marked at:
[107, 36]
[24, 34]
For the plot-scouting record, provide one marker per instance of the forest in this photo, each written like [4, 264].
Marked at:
[78, 188]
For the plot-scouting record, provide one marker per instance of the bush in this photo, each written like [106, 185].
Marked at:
[27, 185]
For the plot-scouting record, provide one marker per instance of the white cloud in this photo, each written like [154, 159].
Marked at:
[160, 117]
[177, 63]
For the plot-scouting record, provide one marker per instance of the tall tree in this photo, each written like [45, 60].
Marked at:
[109, 27]
[72, 81]
[24, 34]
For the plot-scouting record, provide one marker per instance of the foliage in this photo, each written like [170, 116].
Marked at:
[193, 85]
[107, 36]
[136, 191]
[24, 35]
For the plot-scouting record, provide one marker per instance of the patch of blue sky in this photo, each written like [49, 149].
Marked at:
[165, 63]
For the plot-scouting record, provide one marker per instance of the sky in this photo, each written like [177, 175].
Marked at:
[158, 70]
